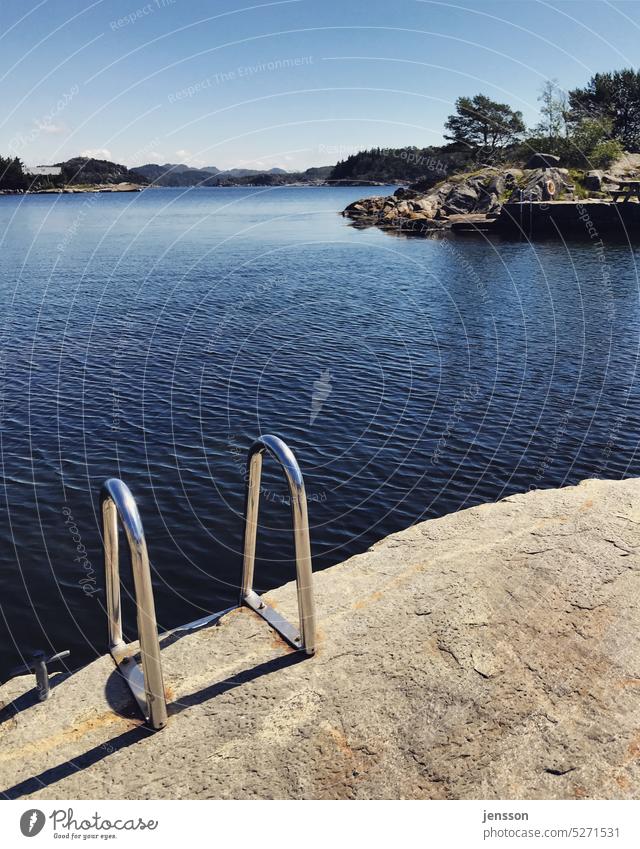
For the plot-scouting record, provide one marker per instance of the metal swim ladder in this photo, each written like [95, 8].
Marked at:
[117, 503]
[147, 685]
[305, 638]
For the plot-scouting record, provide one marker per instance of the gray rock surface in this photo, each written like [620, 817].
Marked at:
[593, 181]
[461, 198]
[533, 186]
[543, 160]
[409, 209]
[492, 653]
[482, 192]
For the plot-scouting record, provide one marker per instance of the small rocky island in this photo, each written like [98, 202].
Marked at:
[541, 198]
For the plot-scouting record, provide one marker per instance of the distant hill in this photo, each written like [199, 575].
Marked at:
[82, 169]
[274, 177]
[175, 175]
[183, 175]
[177, 167]
[321, 172]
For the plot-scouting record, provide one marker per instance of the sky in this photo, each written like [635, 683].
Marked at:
[288, 84]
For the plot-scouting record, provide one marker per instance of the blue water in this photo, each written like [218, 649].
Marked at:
[153, 336]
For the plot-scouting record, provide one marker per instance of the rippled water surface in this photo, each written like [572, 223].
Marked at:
[154, 336]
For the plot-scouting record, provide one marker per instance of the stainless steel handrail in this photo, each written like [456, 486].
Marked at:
[306, 637]
[147, 686]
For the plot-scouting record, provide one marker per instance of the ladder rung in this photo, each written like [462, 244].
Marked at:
[277, 621]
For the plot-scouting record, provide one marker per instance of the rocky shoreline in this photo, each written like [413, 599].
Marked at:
[482, 193]
[488, 654]
[75, 190]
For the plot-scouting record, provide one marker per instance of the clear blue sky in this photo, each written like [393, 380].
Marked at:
[288, 84]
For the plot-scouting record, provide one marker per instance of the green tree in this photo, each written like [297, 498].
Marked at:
[589, 133]
[605, 153]
[588, 145]
[483, 124]
[12, 176]
[612, 97]
[553, 111]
